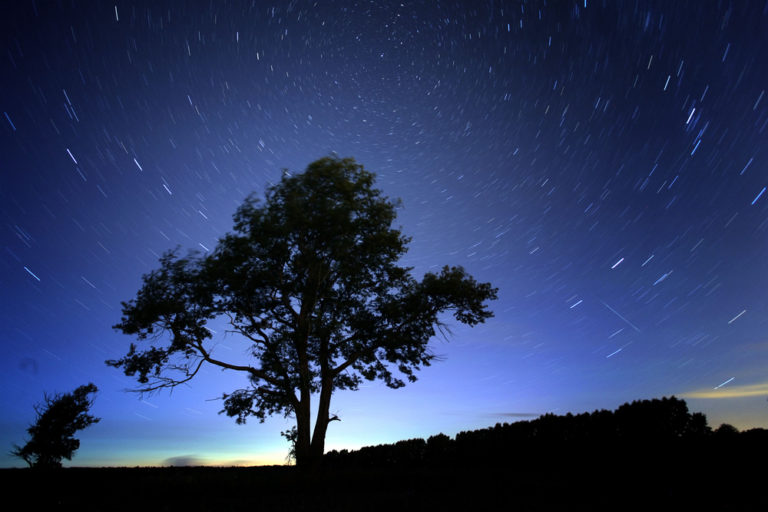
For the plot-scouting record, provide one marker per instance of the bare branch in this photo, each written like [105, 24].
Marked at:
[168, 382]
[282, 320]
[346, 364]
[286, 302]
[263, 341]
[261, 374]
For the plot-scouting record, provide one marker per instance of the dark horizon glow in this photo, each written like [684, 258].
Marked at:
[601, 163]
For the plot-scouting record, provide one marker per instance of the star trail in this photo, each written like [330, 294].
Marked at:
[602, 163]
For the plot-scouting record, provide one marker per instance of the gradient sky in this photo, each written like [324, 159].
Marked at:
[603, 164]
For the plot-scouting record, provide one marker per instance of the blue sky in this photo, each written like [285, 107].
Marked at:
[603, 166]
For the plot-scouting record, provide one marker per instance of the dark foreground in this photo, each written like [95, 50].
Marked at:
[630, 481]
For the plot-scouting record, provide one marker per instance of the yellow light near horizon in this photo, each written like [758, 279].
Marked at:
[163, 458]
[729, 392]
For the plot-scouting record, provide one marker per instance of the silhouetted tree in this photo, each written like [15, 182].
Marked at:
[726, 430]
[667, 418]
[58, 418]
[439, 449]
[310, 280]
[697, 426]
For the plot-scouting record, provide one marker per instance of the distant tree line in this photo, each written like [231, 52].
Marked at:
[643, 427]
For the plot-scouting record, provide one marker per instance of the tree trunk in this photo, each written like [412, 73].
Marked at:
[309, 451]
[303, 440]
[317, 448]
[309, 455]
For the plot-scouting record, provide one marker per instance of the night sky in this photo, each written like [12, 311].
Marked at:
[604, 164]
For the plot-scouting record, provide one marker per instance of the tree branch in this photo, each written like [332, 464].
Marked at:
[261, 374]
[169, 383]
[286, 302]
[346, 364]
[357, 355]
[264, 339]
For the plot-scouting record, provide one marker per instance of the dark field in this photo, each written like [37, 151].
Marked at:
[639, 479]
[648, 455]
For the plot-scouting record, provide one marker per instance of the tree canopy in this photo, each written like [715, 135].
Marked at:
[309, 279]
[58, 418]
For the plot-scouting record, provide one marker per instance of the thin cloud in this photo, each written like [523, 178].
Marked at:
[183, 460]
[517, 414]
[730, 391]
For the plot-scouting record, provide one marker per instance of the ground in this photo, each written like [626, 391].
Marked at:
[599, 484]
